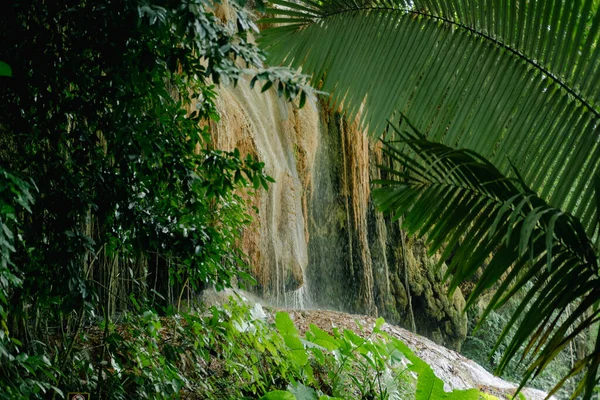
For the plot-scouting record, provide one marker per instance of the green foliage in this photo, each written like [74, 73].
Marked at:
[479, 76]
[451, 196]
[5, 69]
[121, 164]
[428, 385]
[16, 198]
[235, 353]
[108, 111]
[475, 74]
[373, 367]
[279, 395]
[479, 342]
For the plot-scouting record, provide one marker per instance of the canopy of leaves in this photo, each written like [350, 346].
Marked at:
[516, 80]
[451, 196]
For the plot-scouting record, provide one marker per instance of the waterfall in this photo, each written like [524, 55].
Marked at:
[317, 240]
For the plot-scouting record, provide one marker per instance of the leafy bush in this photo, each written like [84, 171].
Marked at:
[238, 352]
[234, 352]
[104, 121]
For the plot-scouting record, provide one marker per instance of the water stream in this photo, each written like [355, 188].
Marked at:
[317, 241]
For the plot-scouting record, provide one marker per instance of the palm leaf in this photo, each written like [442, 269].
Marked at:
[510, 79]
[522, 238]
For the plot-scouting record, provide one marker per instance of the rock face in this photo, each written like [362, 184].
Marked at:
[317, 241]
[285, 139]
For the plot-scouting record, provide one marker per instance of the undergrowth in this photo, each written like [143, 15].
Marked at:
[232, 352]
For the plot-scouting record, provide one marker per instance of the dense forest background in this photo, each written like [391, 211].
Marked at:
[116, 207]
[112, 196]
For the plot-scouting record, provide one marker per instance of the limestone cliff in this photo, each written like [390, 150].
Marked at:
[317, 240]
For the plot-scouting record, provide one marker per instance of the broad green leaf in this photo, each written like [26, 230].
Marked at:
[467, 394]
[298, 352]
[378, 324]
[5, 69]
[302, 392]
[278, 395]
[485, 396]
[284, 324]
[321, 338]
[429, 386]
[354, 338]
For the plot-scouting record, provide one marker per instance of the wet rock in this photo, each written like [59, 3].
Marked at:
[317, 240]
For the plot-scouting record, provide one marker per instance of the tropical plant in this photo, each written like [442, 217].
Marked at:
[516, 85]
[364, 366]
[452, 195]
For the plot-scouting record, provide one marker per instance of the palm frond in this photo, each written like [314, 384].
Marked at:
[514, 80]
[458, 197]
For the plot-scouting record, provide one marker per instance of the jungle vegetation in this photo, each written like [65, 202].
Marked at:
[114, 205]
[489, 111]
[112, 197]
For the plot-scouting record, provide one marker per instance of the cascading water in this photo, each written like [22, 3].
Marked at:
[285, 139]
[317, 241]
[297, 298]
